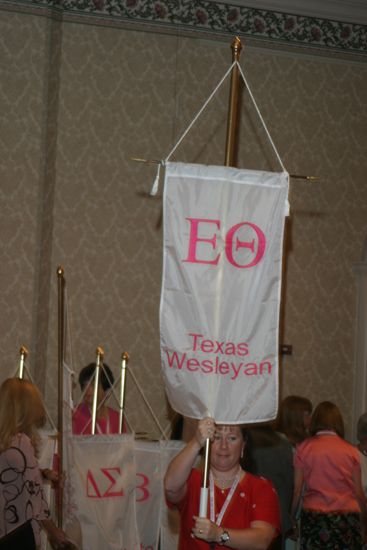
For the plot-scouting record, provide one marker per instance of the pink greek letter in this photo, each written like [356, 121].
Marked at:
[261, 242]
[194, 239]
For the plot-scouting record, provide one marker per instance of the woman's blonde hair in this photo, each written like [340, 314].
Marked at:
[21, 410]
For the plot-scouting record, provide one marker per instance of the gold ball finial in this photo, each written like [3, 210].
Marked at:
[60, 271]
[23, 351]
[125, 356]
[100, 352]
[236, 47]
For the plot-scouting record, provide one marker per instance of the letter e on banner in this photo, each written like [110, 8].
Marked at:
[194, 239]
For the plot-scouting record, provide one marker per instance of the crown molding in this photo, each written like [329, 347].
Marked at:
[346, 11]
[214, 19]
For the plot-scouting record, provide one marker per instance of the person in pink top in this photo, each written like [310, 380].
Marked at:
[107, 419]
[334, 506]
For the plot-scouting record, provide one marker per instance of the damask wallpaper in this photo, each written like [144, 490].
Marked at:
[79, 100]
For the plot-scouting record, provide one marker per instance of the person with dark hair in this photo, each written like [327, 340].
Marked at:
[23, 507]
[107, 419]
[270, 455]
[333, 502]
[177, 427]
[362, 447]
[293, 423]
[243, 510]
[294, 418]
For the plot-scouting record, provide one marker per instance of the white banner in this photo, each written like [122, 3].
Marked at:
[98, 511]
[46, 459]
[103, 479]
[148, 492]
[219, 317]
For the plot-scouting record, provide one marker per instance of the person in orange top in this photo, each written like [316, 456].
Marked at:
[333, 502]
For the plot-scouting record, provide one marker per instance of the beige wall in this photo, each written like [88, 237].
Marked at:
[26, 186]
[79, 101]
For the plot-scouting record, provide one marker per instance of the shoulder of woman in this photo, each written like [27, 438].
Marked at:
[21, 440]
[20, 445]
[256, 481]
[259, 487]
[303, 445]
[353, 450]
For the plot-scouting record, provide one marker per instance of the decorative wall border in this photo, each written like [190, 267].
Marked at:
[213, 18]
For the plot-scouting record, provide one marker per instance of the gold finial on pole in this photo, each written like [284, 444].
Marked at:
[99, 361]
[100, 353]
[124, 361]
[233, 106]
[23, 355]
[60, 362]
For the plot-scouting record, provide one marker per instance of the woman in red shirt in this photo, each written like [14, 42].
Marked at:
[243, 510]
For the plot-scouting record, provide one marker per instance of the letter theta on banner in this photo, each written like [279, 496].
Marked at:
[219, 313]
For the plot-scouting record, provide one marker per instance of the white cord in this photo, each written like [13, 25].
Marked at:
[261, 118]
[155, 186]
[147, 404]
[200, 111]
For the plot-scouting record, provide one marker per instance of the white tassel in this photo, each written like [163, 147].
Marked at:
[155, 186]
